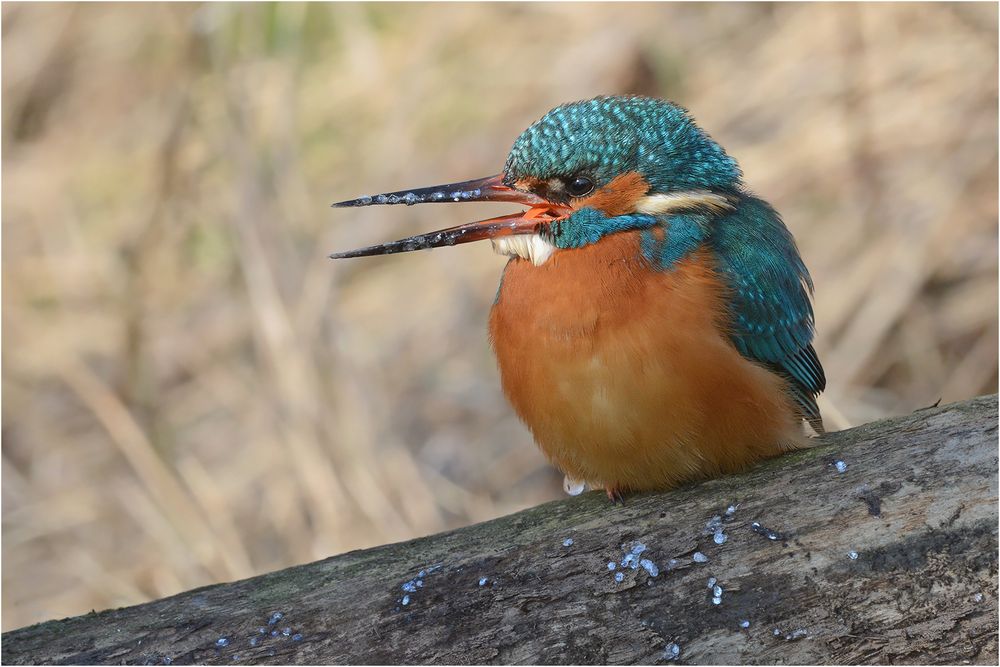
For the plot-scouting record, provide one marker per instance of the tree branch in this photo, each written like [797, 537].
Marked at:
[893, 560]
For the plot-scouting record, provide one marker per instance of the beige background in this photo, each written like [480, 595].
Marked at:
[192, 393]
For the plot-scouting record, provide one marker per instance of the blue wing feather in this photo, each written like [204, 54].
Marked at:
[773, 320]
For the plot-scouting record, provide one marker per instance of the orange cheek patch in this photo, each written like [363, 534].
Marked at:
[617, 197]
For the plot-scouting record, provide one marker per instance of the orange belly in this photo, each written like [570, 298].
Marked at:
[625, 375]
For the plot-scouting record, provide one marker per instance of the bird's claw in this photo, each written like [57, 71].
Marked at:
[615, 495]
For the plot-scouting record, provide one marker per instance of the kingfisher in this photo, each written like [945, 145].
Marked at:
[654, 322]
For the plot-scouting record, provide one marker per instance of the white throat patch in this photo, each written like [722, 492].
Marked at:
[531, 247]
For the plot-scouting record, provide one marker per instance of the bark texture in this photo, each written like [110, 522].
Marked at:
[893, 560]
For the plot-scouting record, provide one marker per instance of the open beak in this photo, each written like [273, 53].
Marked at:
[540, 214]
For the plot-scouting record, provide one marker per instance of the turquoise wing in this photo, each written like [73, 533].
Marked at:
[773, 321]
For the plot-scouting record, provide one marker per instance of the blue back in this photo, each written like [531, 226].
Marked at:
[772, 314]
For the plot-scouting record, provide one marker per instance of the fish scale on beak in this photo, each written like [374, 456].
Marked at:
[535, 220]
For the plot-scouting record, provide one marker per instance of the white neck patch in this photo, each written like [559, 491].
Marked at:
[659, 204]
[531, 247]
[537, 250]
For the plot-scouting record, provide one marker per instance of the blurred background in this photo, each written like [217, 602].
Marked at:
[193, 393]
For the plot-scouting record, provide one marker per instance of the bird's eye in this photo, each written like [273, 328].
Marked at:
[578, 186]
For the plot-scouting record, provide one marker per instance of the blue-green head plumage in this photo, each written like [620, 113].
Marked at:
[608, 136]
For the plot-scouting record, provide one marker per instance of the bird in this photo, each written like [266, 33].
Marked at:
[654, 321]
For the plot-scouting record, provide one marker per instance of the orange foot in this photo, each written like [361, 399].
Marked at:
[615, 495]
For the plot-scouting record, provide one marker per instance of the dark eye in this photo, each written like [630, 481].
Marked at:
[578, 186]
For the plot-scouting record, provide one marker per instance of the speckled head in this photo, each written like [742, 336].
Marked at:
[606, 137]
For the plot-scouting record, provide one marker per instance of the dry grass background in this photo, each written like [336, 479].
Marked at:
[193, 393]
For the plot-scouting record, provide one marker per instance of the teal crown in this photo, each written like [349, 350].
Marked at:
[608, 136]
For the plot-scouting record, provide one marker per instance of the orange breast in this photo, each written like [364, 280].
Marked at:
[625, 375]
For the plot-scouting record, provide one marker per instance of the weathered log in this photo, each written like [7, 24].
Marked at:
[892, 560]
